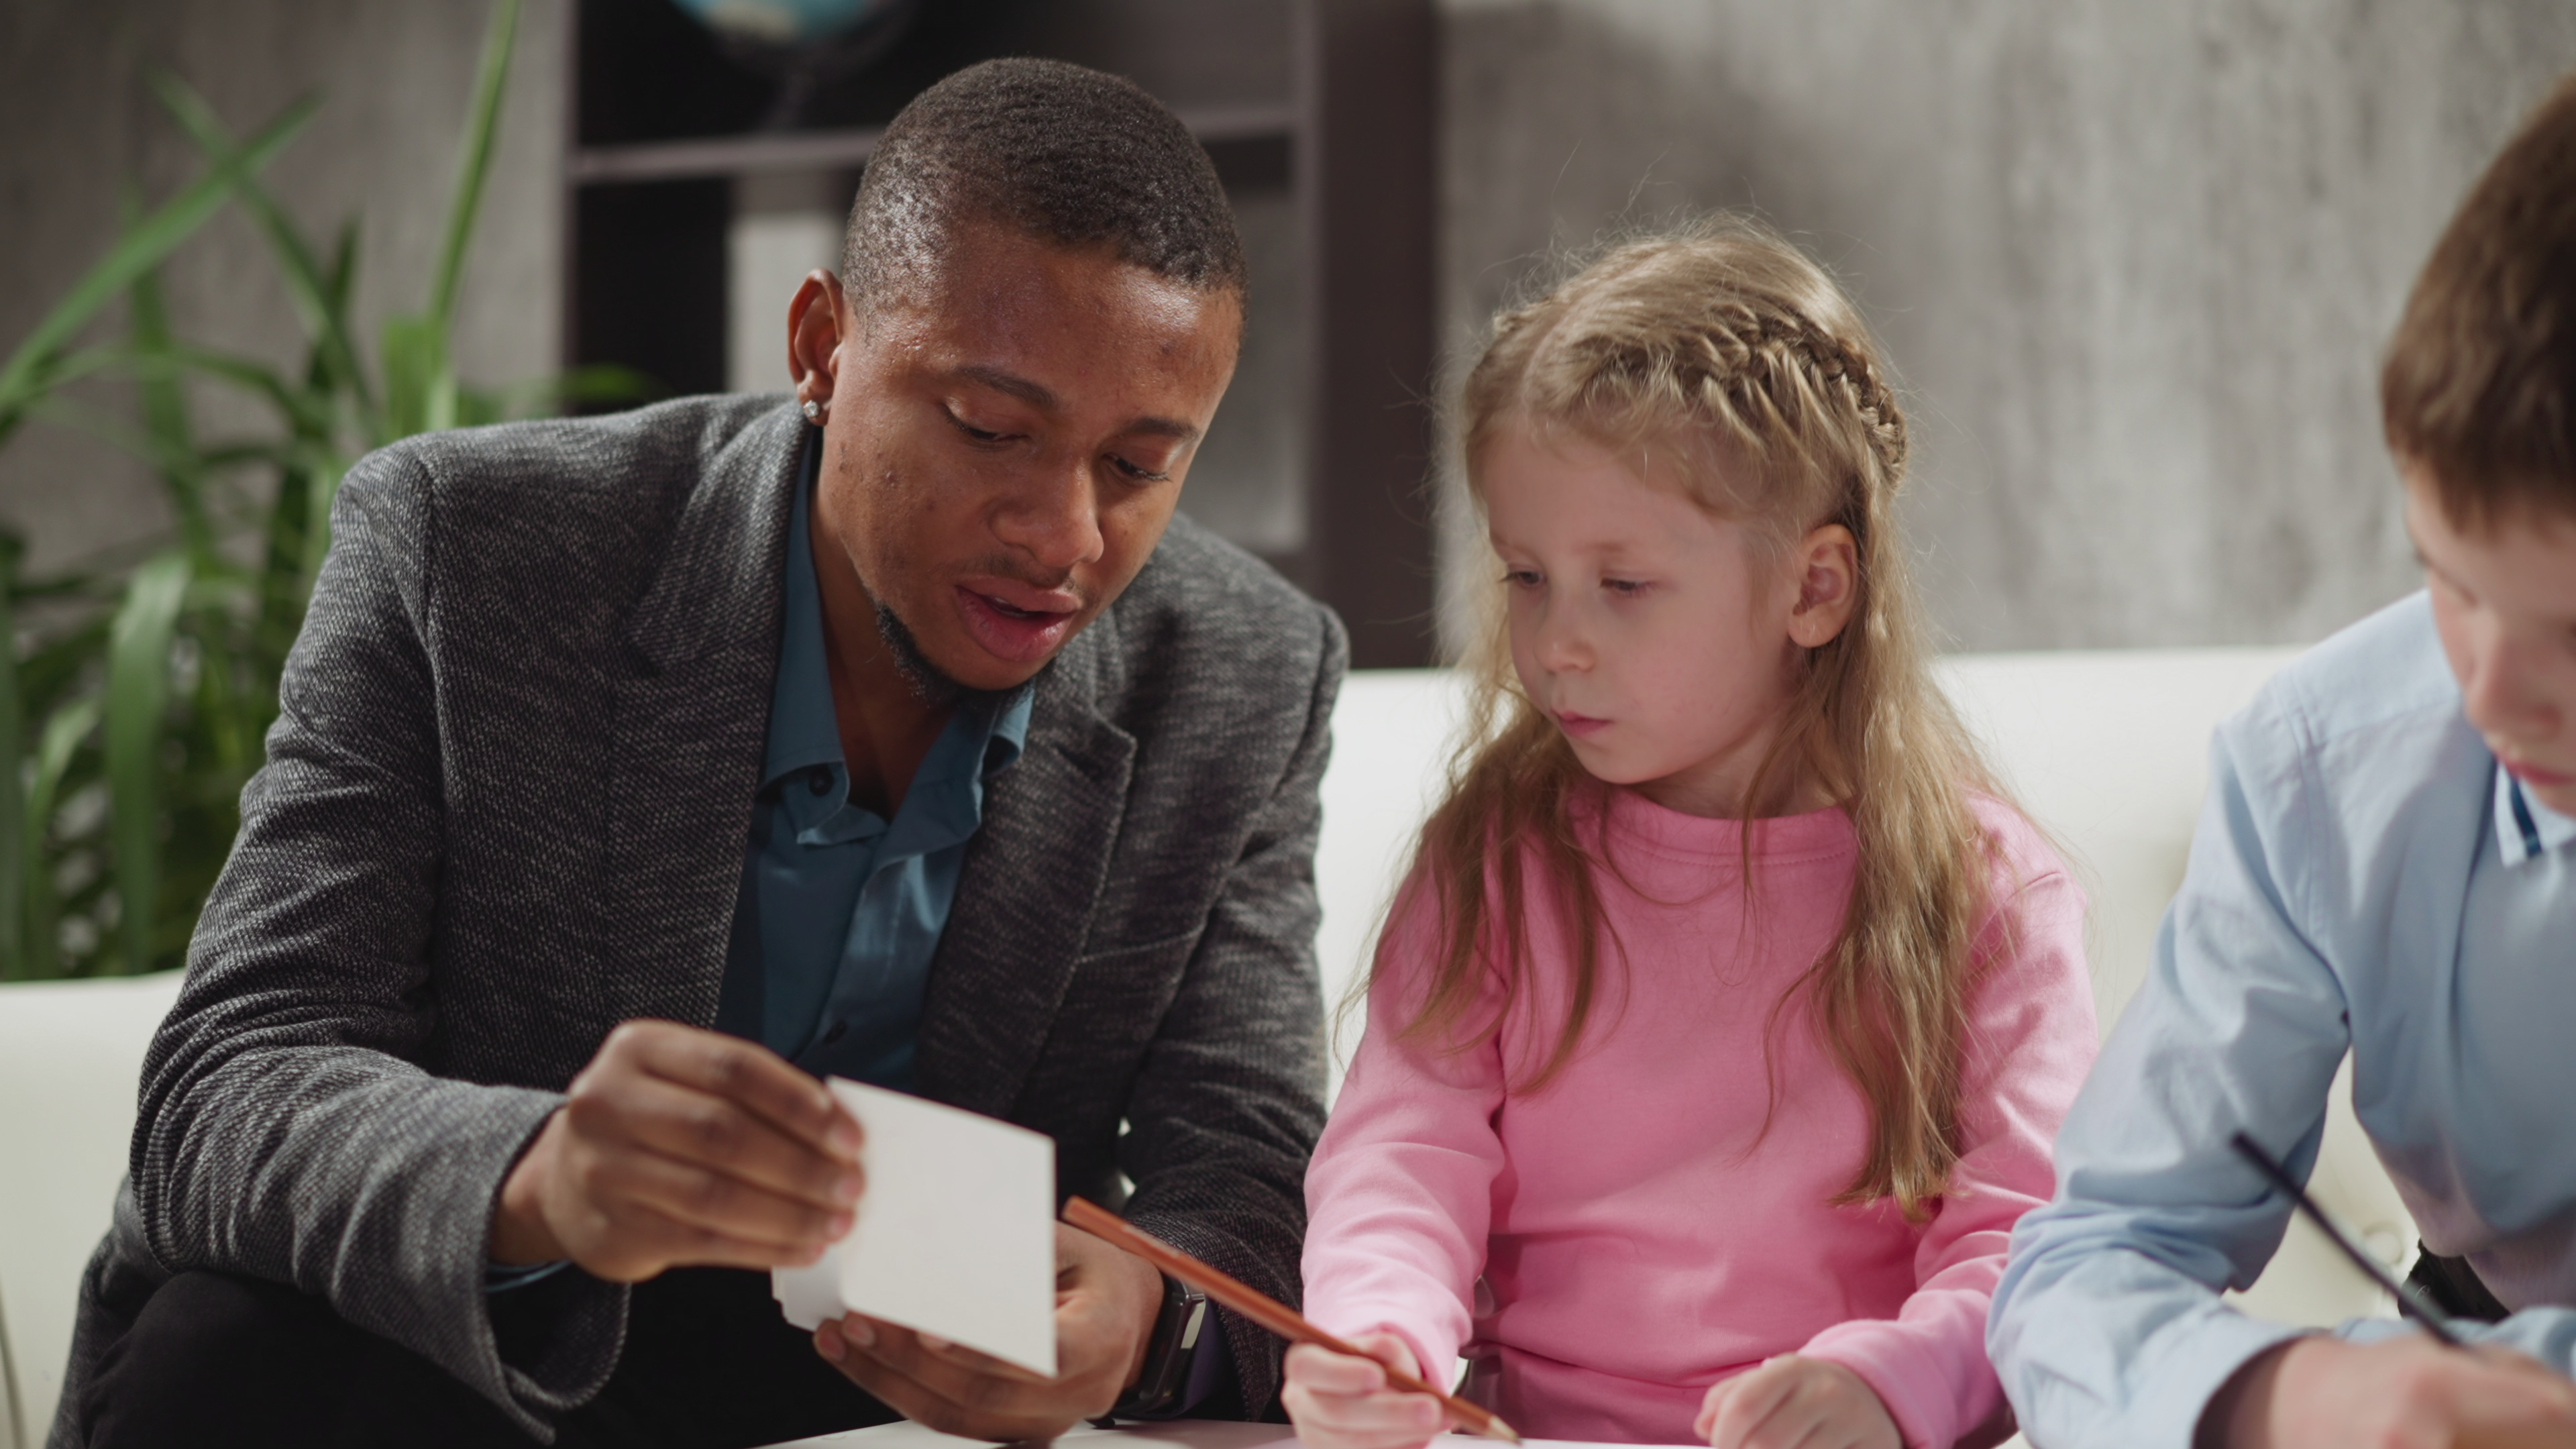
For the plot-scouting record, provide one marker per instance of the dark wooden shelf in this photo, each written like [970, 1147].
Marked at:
[771, 151]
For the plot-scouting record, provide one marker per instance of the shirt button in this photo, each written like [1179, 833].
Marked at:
[834, 1034]
[820, 782]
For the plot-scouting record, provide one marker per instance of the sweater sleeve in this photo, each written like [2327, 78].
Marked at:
[2031, 1038]
[1399, 1196]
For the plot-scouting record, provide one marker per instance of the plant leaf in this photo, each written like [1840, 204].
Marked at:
[320, 298]
[165, 416]
[324, 487]
[142, 247]
[15, 853]
[138, 703]
[420, 387]
[474, 162]
[304, 411]
[64, 731]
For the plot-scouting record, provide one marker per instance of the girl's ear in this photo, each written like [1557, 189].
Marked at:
[1828, 566]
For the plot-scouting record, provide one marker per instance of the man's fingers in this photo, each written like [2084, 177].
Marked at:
[958, 1374]
[697, 1127]
[927, 1407]
[886, 1362]
[645, 1242]
[749, 1075]
[677, 1146]
[962, 1391]
[907, 1348]
[708, 1202]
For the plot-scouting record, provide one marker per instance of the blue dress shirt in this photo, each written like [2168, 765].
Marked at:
[2364, 879]
[841, 908]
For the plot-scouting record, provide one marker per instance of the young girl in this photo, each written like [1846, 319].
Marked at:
[1719, 1031]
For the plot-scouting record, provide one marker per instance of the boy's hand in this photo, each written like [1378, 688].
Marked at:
[1808, 1403]
[1341, 1402]
[2404, 1393]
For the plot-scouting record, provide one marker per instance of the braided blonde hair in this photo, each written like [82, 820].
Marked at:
[1725, 343]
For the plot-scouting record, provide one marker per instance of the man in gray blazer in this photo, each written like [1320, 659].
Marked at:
[633, 773]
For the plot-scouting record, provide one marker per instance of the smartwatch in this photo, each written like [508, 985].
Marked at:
[1168, 1353]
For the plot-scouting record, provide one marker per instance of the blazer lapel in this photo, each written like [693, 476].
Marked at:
[1025, 897]
[692, 714]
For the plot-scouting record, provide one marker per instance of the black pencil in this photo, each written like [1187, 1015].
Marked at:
[2409, 1302]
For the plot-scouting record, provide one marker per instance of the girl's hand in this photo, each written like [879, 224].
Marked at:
[1341, 1402]
[1806, 1402]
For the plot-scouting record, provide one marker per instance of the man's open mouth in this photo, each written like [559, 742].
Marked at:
[1017, 632]
[1008, 611]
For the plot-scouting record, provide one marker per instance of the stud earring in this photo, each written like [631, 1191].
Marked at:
[813, 411]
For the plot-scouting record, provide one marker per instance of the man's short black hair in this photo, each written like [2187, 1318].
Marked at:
[1055, 151]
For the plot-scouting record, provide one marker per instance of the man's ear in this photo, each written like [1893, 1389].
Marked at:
[1828, 567]
[816, 323]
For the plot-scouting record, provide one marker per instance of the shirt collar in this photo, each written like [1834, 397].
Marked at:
[803, 730]
[2525, 828]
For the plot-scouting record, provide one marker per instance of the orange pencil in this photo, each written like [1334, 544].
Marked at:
[1261, 1308]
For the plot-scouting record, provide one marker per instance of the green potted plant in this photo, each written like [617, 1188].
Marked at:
[136, 695]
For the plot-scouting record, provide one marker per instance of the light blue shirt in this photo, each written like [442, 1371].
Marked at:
[2364, 878]
[841, 909]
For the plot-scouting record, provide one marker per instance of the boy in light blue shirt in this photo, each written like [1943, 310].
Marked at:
[2386, 865]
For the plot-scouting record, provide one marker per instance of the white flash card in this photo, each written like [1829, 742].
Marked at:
[955, 1233]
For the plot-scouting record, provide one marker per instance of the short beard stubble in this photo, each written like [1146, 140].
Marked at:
[929, 683]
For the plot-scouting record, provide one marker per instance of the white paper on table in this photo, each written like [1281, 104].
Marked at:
[955, 1233]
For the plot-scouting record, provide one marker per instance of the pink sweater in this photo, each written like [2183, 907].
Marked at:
[1640, 1236]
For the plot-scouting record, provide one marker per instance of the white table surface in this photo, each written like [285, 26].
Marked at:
[1179, 1434]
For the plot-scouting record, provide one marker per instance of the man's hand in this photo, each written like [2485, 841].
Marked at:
[680, 1147]
[2402, 1393]
[1811, 1403]
[1106, 1301]
[1339, 1401]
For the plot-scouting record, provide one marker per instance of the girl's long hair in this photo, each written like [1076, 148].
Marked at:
[1724, 342]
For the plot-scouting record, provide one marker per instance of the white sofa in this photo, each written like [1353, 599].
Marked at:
[2108, 749]
[69, 1056]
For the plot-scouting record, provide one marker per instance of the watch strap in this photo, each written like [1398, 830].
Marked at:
[1183, 1321]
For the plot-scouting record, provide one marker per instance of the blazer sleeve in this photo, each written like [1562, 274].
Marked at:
[285, 1129]
[1229, 1099]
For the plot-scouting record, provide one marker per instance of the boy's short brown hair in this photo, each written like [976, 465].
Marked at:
[2478, 390]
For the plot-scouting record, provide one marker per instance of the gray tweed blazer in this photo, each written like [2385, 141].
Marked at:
[504, 810]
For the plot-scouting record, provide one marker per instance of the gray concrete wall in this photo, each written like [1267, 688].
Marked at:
[2135, 259]
[77, 121]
